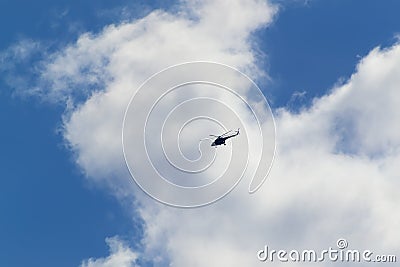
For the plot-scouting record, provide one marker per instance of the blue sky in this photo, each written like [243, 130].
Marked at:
[51, 215]
[311, 47]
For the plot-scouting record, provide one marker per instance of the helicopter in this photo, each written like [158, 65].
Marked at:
[221, 138]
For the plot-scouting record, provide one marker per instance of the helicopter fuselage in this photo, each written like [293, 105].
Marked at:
[219, 141]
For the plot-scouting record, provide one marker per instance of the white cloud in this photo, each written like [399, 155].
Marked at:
[336, 170]
[121, 57]
[316, 192]
[13, 60]
[120, 256]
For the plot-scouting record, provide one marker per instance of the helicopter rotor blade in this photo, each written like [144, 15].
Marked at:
[226, 133]
[206, 139]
